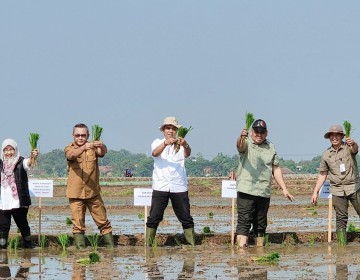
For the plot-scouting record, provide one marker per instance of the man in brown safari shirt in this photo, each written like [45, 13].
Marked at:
[83, 188]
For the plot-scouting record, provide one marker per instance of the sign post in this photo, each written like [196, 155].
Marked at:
[228, 189]
[325, 193]
[41, 188]
[142, 197]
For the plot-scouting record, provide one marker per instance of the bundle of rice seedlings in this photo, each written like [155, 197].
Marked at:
[181, 132]
[249, 119]
[271, 258]
[33, 139]
[92, 258]
[96, 132]
[347, 128]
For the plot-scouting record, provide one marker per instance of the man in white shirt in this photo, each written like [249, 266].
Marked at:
[170, 181]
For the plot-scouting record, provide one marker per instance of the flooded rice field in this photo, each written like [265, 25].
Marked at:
[202, 262]
[297, 233]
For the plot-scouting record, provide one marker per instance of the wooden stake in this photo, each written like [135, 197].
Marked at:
[39, 237]
[330, 220]
[145, 219]
[232, 220]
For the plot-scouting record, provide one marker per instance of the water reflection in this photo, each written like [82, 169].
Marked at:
[158, 266]
[22, 272]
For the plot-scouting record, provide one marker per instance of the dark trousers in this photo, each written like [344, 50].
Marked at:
[341, 206]
[252, 210]
[181, 206]
[20, 217]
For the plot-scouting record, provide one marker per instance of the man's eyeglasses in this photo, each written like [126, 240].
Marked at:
[80, 135]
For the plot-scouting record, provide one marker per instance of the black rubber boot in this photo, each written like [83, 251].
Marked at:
[27, 242]
[4, 240]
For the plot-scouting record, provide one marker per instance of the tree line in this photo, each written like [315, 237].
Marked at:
[114, 163]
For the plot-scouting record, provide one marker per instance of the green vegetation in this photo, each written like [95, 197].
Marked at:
[312, 239]
[211, 215]
[272, 258]
[14, 242]
[266, 240]
[249, 119]
[92, 258]
[53, 164]
[181, 132]
[68, 221]
[347, 128]
[33, 139]
[96, 132]
[140, 216]
[93, 240]
[42, 241]
[206, 230]
[353, 228]
[64, 240]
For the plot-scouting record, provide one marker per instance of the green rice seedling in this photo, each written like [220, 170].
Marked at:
[181, 132]
[312, 239]
[177, 242]
[353, 228]
[14, 242]
[266, 240]
[206, 230]
[249, 119]
[92, 258]
[347, 128]
[211, 215]
[140, 216]
[341, 235]
[272, 258]
[43, 241]
[64, 241]
[96, 132]
[33, 139]
[68, 221]
[93, 240]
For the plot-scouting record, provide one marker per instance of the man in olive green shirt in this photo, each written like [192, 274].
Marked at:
[258, 162]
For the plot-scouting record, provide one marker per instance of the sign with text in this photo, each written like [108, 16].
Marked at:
[142, 197]
[228, 188]
[325, 190]
[41, 188]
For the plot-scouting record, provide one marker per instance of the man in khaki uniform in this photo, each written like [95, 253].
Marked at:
[83, 188]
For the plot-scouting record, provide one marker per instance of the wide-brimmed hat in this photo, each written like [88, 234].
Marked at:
[335, 128]
[170, 121]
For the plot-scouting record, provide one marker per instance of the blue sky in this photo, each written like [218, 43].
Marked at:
[126, 65]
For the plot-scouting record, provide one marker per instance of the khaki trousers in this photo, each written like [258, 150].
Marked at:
[97, 211]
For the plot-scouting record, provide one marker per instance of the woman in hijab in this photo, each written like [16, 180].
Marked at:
[14, 197]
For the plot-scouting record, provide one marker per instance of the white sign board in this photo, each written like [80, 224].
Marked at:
[142, 197]
[228, 188]
[325, 190]
[41, 188]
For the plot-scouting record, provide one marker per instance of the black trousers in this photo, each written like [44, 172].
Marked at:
[252, 210]
[181, 206]
[20, 218]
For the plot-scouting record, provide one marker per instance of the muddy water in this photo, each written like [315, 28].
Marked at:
[203, 262]
[206, 261]
[298, 216]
